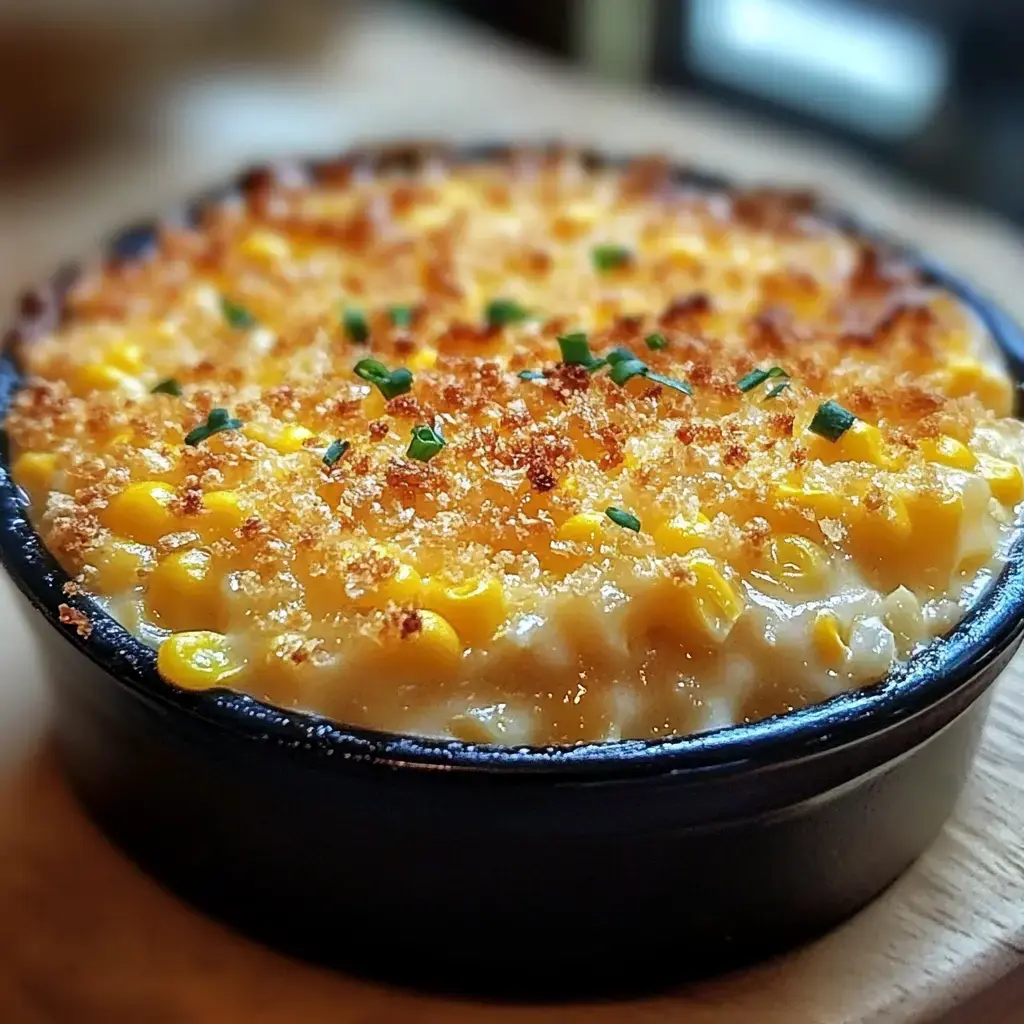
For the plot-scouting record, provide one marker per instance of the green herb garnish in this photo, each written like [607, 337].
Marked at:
[335, 450]
[627, 369]
[167, 387]
[777, 389]
[656, 342]
[236, 315]
[610, 256]
[391, 383]
[618, 355]
[356, 327]
[505, 311]
[530, 375]
[425, 444]
[218, 420]
[401, 316]
[831, 421]
[757, 377]
[622, 518]
[576, 351]
[624, 369]
[683, 386]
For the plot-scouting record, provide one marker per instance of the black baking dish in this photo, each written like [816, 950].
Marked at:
[501, 868]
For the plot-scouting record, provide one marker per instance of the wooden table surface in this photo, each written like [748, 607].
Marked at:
[86, 937]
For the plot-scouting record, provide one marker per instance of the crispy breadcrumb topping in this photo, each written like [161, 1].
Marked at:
[458, 279]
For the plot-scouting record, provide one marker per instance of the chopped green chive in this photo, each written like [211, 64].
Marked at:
[576, 352]
[618, 355]
[335, 450]
[401, 316]
[530, 375]
[682, 386]
[505, 311]
[356, 327]
[610, 256]
[425, 444]
[831, 421]
[236, 315]
[167, 387]
[777, 389]
[656, 342]
[391, 383]
[626, 367]
[620, 517]
[218, 420]
[757, 377]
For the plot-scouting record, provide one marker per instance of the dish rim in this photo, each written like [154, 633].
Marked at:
[939, 671]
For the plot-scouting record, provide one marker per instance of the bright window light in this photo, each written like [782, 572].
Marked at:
[877, 73]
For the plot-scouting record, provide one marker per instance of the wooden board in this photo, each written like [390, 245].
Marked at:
[86, 937]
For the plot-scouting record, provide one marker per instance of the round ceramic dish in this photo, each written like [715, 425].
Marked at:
[503, 868]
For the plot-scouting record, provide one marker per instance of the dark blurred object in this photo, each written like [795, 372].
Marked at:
[932, 89]
[77, 76]
[545, 24]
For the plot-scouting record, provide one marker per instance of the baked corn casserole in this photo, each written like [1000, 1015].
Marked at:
[519, 450]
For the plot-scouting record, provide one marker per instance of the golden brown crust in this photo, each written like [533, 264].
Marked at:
[73, 617]
[263, 307]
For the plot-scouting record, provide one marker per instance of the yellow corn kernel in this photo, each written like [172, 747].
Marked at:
[103, 377]
[881, 534]
[266, 245]
[793, 563]
[583, 528]
[423, 359]
[686, 250]
[122, 437]
[374, 405]
[824, 504]
[127, 356]
[799, 508]
[431, 652]
[184, 592]
[225, 511]
[286, 439]
[576, 220]
[971, 377]
[119, 565]
[681, 534]
[935, 521]
[861, 443]
[33, 472]
[197, 660]
[1004, 479]
[142, 512]
[719, 604]
[475, 609]
[703, 605]
[827, 637]
[948, 451]
[403, 588]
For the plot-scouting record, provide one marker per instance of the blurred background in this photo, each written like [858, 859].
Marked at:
[933, 89]
[110, 108]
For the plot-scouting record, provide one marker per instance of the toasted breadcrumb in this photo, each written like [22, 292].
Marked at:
[459, 278]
